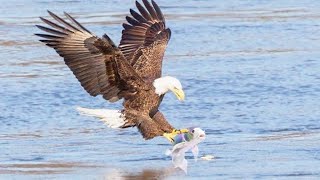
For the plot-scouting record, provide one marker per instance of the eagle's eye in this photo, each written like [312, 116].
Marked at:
[192, 131]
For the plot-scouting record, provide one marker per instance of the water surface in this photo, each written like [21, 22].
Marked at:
[250, 70]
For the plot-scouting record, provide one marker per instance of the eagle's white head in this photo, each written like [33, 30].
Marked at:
[166, 83]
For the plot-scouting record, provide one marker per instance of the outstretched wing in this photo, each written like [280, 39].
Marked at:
[96, 62]
[144, 40]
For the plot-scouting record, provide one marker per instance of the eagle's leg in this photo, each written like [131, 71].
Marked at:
[146, 126]
[159, 118]
[169, 131]
[149, 129]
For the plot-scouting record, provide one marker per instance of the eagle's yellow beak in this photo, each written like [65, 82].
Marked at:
[179, 93]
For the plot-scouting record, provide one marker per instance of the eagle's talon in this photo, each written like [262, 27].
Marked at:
[183, 131]
[179, 131]
[172, 135]
[176, 131]
[169, 137]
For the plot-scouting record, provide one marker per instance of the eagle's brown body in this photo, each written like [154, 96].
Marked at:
[143, 113]
[126, 71]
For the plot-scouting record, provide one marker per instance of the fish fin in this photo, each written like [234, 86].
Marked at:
[195, 152]
[184, 166]
[179, 161]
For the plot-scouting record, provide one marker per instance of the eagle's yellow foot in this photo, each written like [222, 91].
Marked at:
[170, 136]
[182, 131]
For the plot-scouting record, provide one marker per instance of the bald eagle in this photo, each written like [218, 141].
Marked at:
[131, 71]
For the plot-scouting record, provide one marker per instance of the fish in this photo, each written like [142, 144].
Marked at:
[183, 143]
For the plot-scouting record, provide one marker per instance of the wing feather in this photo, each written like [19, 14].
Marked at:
[52, 31]
[151, 10]
[132, 21]
[57, 18]
[143, 12]
[144, 39]
[137, 16]
[83, 29]
[158, 12]
[54, 25]
[96, 62]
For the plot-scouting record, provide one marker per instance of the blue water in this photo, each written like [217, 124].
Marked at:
[250, 70]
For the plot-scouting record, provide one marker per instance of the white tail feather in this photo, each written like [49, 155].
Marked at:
[112, 118]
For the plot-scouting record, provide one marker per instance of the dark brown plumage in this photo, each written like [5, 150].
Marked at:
[144, 40]
[127, 71]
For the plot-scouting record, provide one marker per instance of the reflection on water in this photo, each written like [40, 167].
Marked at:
[42, 168]
[144, 174]
[250, 71]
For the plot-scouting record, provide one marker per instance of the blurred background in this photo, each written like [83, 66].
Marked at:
[250, 70]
